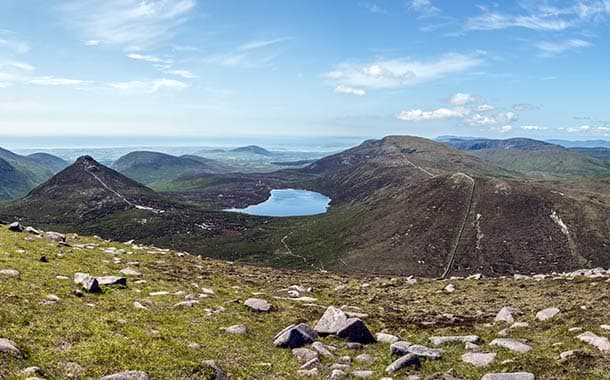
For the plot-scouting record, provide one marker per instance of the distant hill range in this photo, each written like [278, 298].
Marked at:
[533, 158]
[252, 149]
[581, 143]
[400, 205]
[20, 174]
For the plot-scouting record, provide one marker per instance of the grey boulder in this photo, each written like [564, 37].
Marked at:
[331, 322]
[354, 330]
[295, 336]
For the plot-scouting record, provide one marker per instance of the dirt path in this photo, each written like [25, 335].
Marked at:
[410, 163]
[461, 230]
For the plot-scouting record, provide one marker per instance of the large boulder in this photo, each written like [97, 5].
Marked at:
[89, 283]
[479, 359]
[545, 314]
[511, 344]
[506, 315]
[56, 237]
[112, 280]
[354, 330]
[295, 336]
[7, 346]
[128, 375]
[16, 227]
[258, 304]
[332, 320]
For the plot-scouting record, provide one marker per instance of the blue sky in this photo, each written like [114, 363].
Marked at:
[305, 67]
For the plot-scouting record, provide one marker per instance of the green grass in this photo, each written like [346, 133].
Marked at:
[105, 334]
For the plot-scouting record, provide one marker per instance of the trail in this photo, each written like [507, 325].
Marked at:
[98, 179]
[461, 230]
[289, 251]
[410, 163]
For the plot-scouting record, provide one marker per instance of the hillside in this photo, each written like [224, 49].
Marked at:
[535, 159]
[252, 149]
[153, 168]
[180, 317]
[598, 153]
[20, 174]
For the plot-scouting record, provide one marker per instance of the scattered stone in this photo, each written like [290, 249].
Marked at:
[387, 338]
[304, 355]
[506, 315]
[219, 374]
[235, 329]
[342, 367]
[190, 303]
[159, 293]
[549, 313]
[354, 330]
[407, 360]
[599, 342]
[15, 227]
[43, 259]
[509, 376]
[295, 336]
[112, 280]
[425, 352]
[9, 272]
[337, 374]
[441, 340]
[258, 304]
[361, 374]
[139, 306]
[130, 272]
[344, 359]
[32, 230]
[568, 354]
[56, 237]
[575, 329]
[78, 293]
[10, 347]
[400, 348]
[472, 346]
[476, 276]
[511, 344]
[478, 359]
[365, 358]
[128, 375]
[323, 350]
[308, 372]
[310, 364]
[331, 322]
[89, 283]
[354, 346]
[520, 325]
[31, 371]
[504, 332]
[449, 288]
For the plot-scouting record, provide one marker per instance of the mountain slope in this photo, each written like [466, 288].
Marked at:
[536, 159]
[151, 168]
[13, 183]
[49, 161]
[598, 153]
[252, 149]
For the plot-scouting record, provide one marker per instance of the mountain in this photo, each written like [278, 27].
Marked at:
[533, 158]
[252, 149]
[152, 168]
[53, 163]
[19, 174]
[602, 154]
[581, 143]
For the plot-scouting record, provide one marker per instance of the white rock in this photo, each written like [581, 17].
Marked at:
[506, 314]
[509, 376]
[599, 342]
[387, 338]
[478, 359]
[545, 314]
[511, 344]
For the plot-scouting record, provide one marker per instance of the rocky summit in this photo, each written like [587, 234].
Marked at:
[98, 309]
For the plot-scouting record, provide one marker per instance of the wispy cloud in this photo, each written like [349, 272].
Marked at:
[149, 58]
[56, 81]
[526, 107]
[439, 114]
[130, 23]
[148, 87]
[503, 118]
[258, 44]
[533, 128]
[343, 89]
[182, 73]
[549, 49]
[374, 8]
[398, 73]
[424, 7]
[10, 41]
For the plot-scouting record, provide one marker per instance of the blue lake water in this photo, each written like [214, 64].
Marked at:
[288, 202]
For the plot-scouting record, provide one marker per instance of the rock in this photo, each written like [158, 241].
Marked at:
[407, 360]
[511, 344]
[78, 293]
[15, 227]
[303, 355]
[365, 358]
[337, 374]
[295, 336]
[308, 372]
[471, 346]
[354, 346]
[9, 272]
[43, 259]
[219, 374]
[128, 375]
[32, 230]
[332, 320]
[31, 371]
[387, 338]
[235, 329]
[425, 352]
[476, 276]
[449, 288]
[112, 280]
[323, 350]
[310, 364]
[139, 306]
[258, 304]
[400, 348]
[506, 315]
[568, 354]
[190, 303]
[360, 374]
[441, 340]
[520, 325]
[130, 272]
[599, 342]
[7, 346]
[479, 359]
[605, 327]
[509, 376]
[89, 283]
[55, 236]
[344, 359]
[545, 314]
[354, 330]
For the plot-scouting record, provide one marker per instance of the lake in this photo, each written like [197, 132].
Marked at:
[288, 202]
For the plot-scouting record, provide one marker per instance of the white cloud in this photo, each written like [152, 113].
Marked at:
[9, 40]
[505, 129]
[462, 99]
[149, 58]
[549, 49]
[478, 120]
[132, 23]
[257, 44]
[439, 114]
[148, 87]
[533, 127]
[424, 7]
[55, 81]
[182, 73]
[8, 65]
[397, 73]
[374, 8]
[92, 43]
[582, 128]
[526, 107]
[343, 89]
[485, 108]
[494, 21]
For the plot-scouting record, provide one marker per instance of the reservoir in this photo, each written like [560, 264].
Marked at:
[288, 202]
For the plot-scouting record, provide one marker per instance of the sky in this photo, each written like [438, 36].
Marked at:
[497, 69]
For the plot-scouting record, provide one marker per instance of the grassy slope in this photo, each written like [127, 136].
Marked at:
[104, 333]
